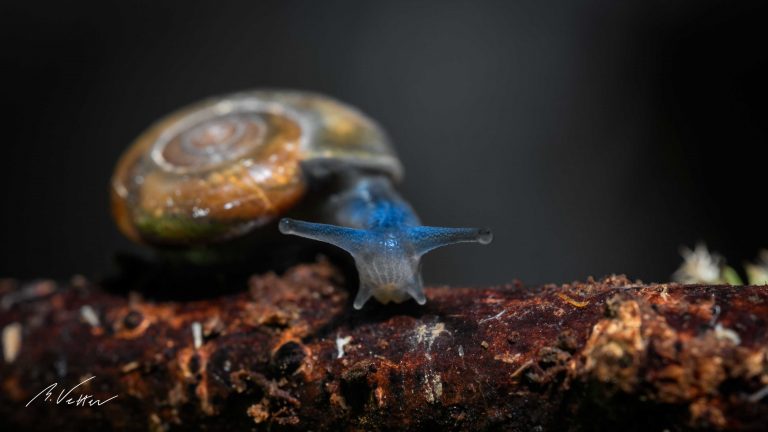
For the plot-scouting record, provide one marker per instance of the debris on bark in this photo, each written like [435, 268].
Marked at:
[289, 353]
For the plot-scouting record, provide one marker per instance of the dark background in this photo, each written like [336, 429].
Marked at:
[593, 137]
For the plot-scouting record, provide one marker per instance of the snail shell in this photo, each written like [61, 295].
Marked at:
[225, 166]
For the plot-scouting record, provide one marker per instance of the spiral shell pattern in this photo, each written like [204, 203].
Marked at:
[224, 166]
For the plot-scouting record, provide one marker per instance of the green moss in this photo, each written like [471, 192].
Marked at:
[731, 276]
[180, 230]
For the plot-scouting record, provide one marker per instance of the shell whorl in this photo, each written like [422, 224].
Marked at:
[226, 165]
[219, 134]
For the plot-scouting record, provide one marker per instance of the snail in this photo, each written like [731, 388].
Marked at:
[226, 166]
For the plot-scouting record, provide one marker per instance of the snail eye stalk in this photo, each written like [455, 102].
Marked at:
[426, 238]
[350, 239]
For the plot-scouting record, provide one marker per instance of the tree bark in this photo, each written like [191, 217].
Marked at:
[289, 353]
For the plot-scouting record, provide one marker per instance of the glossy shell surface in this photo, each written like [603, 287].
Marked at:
[224, 166]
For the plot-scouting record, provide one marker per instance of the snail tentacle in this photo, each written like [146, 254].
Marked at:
[363, 294]
[426, 238]
[349, 239]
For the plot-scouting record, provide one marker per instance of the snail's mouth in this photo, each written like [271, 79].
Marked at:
[390, 292]
[388, 287]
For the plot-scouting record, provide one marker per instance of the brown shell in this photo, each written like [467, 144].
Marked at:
[224, 166]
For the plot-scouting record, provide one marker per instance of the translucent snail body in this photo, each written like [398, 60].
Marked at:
[226, 166]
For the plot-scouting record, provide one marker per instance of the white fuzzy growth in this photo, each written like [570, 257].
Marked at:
[433, 387]
[340, 344]
[426, 334]
[722, 333]
[197, 334]
[89, 315]
[700, 266]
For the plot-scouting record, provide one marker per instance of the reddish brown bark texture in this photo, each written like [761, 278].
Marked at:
[289, 353]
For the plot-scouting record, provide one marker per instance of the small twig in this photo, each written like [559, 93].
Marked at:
[579, 304]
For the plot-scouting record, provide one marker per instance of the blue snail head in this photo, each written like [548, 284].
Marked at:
[385, 239]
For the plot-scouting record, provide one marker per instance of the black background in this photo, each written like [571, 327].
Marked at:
[593, 137]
